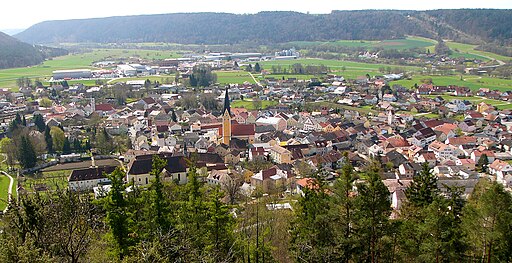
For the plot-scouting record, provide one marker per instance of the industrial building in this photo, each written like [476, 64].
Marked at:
[72, 74]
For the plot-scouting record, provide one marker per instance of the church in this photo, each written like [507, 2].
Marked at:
[233, 130]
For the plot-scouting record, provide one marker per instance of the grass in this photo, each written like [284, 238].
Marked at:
[247, 104]
[470, 49]
[405, 43]
[348, 69]
[472, 82]
[77, 61]
[332, 105]
[4, 187]
[52, 180]
[233, 77]
[287, 76]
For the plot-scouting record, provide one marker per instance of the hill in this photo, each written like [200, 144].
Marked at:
[14, 53]
[464, 25]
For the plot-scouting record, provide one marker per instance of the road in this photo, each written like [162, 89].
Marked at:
[9, 192]
[255, 80]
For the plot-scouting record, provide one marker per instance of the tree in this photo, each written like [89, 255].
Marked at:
[48, 138]
[45, 102]
[66, 147]
[39, 122]
[202, 76]
[248, 68]
[486, 222]
[312, 234]
[257, 104]
[26, 155]
[257, 67]
[372, 217]
[104, 142]
[423, 189]
[9, 150]
[158, 202]
[174, 118]
[117, 215]
[58, 138]
[343, 212]
[483, 163]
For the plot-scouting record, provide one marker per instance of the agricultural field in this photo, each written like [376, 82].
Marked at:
[470, 50]
[472, 82]
[475, 100]
[76, 61]
[286, 76]
[347, 69]
[406, 43]
[248, 104]
[232, 77]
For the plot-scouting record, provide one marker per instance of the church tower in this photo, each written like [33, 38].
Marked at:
[226, 120]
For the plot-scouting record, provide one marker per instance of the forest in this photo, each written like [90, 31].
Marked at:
[468, 26]
[348, 221]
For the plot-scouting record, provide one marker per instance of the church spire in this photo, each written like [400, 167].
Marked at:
[226, 103]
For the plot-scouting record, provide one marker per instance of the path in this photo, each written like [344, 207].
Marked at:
[255, 80]
[9, 191]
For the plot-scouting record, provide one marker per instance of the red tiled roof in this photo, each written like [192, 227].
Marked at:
[104, 107]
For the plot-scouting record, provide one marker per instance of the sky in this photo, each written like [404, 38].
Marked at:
[20, 14]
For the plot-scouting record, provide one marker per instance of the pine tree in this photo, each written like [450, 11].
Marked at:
[48, 139]
[372, 213]
[257, 67]
[27, 154]
[174, 118]
[66, 147]
[39, 122]
[483, 163]
[344, 210]
[24, 121]
[423, 189]
[158, 202]
[117, 214]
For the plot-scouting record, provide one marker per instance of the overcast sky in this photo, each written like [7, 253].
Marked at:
[19, 14]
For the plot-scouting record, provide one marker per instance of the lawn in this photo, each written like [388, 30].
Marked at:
[233, 77]
[4, 187]
[247, 104]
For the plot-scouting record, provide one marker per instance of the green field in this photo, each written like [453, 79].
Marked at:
[247, 104]
[472, 82]
[406, 43]
[233, 77]
[347, 69]
[52, 180]
[76, 61]
[287, 76]
[4, 187]
[470, 50]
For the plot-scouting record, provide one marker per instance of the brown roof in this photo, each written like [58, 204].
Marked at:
[90, 173]
[104, 107]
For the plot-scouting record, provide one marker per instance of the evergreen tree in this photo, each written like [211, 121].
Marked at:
[344, 210]
[257, 67]
[24, 121]
[27, 155]
[312, 234]
[39, 122]
[117, 215]
[372, 213]
[483, 163]
[66, 147]
[174, 118]
[423, 189]
[17, 119]
[159, 204]
[48, 139]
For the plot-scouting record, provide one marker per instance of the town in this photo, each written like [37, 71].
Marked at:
[396, 147]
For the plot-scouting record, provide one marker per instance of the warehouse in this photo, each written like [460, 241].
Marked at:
[72, 74]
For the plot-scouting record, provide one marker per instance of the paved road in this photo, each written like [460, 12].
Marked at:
[11, 183]
[255, 80]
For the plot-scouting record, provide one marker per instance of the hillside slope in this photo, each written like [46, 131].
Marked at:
[14, 53]
[475, 26]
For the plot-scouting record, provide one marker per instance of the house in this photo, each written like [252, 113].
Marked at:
[466, 163]
[280, 155]
[424, 137]
[443, 151]
[139, 169]
[88, 178]
[270, 180]
[501, 169]
[304, 183]
[409, 170]
[257, 154]
[278, 123]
